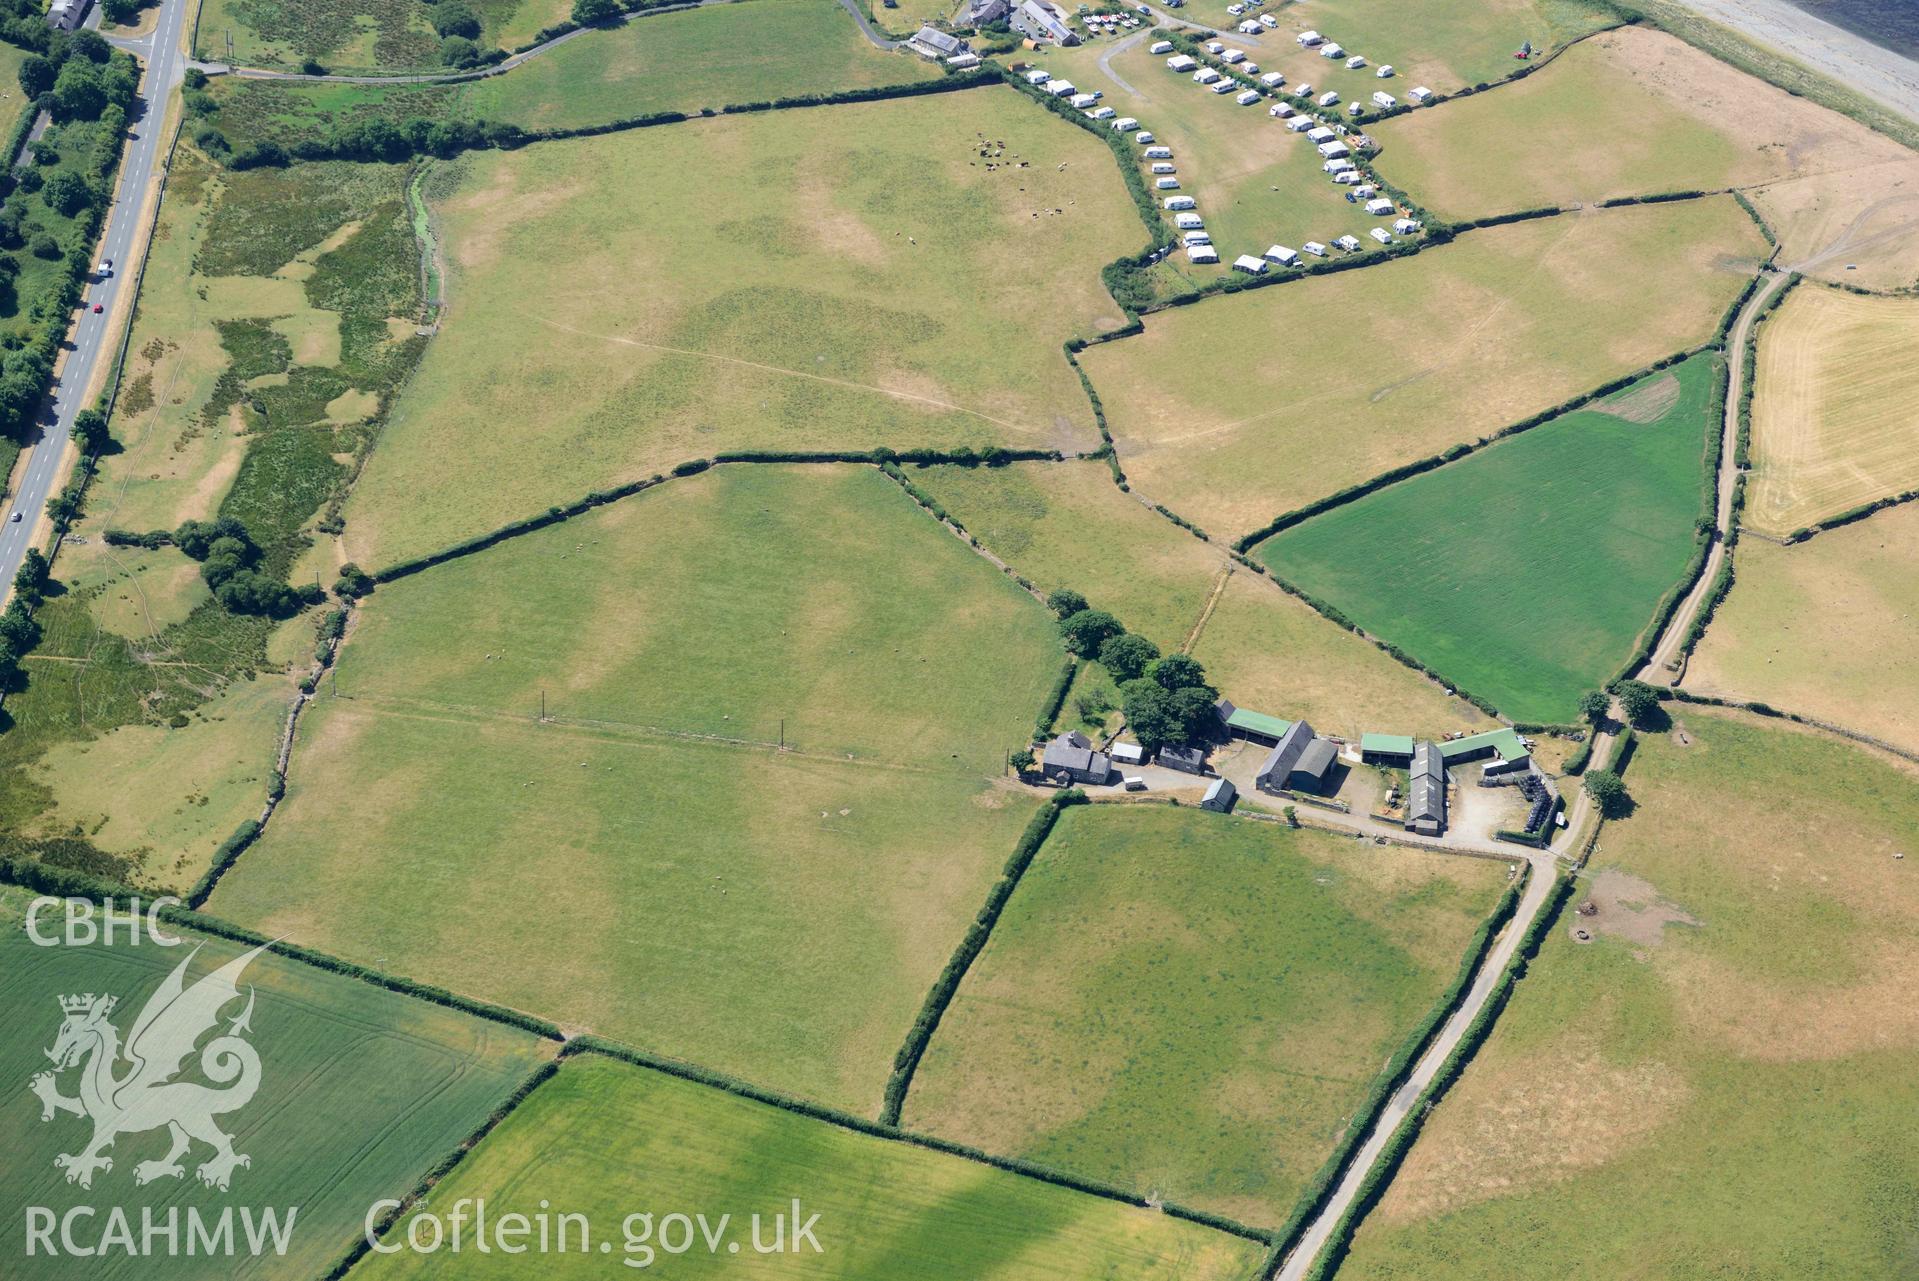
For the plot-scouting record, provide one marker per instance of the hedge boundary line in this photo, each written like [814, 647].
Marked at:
[41, 878]
[1399, 1146]
[1055, 698]
[1319, 1189]
[591, 1044]
[1673, 694]
[1851, 516]
[362, 1245]
[906, 1062]
[1354, 492]
[992, 457]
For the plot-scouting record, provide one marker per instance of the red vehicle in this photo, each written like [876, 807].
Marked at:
[98, 308]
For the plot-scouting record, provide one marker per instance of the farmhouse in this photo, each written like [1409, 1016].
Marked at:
[1426, 801]
[978, 13]
[934, 45]
[1283, 256]
[67, 15]
[1070, 758]
[1219, 797]
[1188, 759]
[1299, 761]
[1250, 265]
[1042, 20]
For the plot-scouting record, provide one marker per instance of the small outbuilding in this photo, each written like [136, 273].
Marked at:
[1220, 796]
[1127, 753]
[1187, 758]
[1393, 750]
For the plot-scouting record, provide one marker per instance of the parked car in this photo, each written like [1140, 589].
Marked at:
[98, 308]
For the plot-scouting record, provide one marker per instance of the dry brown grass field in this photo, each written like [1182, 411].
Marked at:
[1255, 404]
[894, 273]
[1827, 628]
[1835, 413]
[1715, 1083]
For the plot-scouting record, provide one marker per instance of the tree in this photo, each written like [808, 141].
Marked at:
[1607, 789]
[458, 51]
[36, 76]
[33, 573]
[90, 45]
[353, 583]
[1149, 714]
[588, 12]
[1065, 602]
[120, 12]
[90, 431]
[1178, 671]
[67, 193]
[79, 91]
[452, 18]
[1126, 655]
[1593, 706]
[1191, 707]
[1640, 701]
[1087, 630]
[44, 246]
[1023, 759]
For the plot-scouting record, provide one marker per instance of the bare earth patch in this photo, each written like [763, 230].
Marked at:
[1623, 906]
[1646, 403]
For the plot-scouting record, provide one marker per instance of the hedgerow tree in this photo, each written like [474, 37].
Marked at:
[1641, 702]
[1593, 706]
[588, 12]
[1149, 713]
[1065, 602]
[1087, 630]
[1127, 655]
[1607, 789]
[1178, 671]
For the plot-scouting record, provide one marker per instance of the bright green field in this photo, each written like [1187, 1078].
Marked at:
[1526, 571]
[775, 914]
[842, 277]
[12, 100]
[606, 1140]
[361, 1091]
[712, 57]
[1727, 1097]
[1134, 1019]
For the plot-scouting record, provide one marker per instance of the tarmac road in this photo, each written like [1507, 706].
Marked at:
[94, 337]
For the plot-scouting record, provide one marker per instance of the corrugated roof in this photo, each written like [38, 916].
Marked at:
[1504, 741]
[1257, 723]
[1389, 744]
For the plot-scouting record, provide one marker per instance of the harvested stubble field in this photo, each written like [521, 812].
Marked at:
[888, 274]
[1827, 628]
[1719, 1080]
[1636, 112]
[361, 1091]
[1361, 372]
[1834, 422]
[1068, 525]
[621, 867]
[606, 1139]
[1526, 571]
[1133, 1020]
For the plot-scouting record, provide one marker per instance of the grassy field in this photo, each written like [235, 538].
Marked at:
[1397, 362]
[1625, 113]
[713, 57]
[13, 100]
[1131, 1020]
[1272, 653]
[605, 1139]
[896, 273]
[1717, 1083]
[1068, 525]
[263, 341]
[1526, 571]
[1833, 425]
[706, 898]
[1824, 628]
[1256, 184]
[361, 1091]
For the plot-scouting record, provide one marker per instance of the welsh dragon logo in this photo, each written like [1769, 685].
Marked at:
[143, 1094]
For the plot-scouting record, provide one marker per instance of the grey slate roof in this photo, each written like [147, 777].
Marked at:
[1427, 800]
[1316, 759]
[1279, 765]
